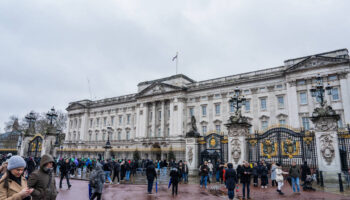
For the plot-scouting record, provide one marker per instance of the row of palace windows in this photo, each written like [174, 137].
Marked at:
[263, 103]
[97, 122]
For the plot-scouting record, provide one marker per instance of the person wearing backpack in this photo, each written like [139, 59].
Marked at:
[175, 175]
[116, 169]
[97, 179]
[231, 180]
[42, 180]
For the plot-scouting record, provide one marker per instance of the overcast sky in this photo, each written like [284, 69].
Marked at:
[49, 49]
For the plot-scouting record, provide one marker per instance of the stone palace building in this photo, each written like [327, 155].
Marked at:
[156, 118]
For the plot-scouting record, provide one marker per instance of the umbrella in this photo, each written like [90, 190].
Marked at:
[169, 183]
[156, 185]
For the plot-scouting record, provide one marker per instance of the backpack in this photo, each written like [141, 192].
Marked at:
[94, 179]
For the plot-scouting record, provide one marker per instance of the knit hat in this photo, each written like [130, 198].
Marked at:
[16, 162]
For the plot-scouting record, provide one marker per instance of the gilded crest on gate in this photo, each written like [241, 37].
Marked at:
[290, 148]
[269, 148]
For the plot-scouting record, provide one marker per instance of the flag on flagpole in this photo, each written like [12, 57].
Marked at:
[175, 57]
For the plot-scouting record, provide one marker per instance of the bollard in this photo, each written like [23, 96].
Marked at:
[321, 179]
[341, 189]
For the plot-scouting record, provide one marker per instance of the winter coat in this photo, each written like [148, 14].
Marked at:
[255, 171]
[12, 193]
[151, 172]
[175, 175]
[294, 171]
[39, 180]
[264, 171]
[305, 170]
[99, 175]
[245, 175]
[231, 179]
[65, 168]
[273, 172]
[30, 165]
[204, 170]
[185, 169]
[279, 174]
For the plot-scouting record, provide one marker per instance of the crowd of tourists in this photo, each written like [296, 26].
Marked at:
[247, 172]
[34, 178]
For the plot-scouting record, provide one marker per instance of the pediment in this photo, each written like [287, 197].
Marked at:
[75, 106]
[264, 117]
[315, 61]
[159, 88]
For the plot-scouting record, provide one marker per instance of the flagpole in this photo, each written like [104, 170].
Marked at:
[177, 58]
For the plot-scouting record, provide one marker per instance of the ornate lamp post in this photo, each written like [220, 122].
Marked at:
[319, 91]
[108, 143]
[57, 142]
[31, 118]
[51, 115]
[237, 100]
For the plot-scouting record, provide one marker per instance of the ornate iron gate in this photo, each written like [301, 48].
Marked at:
[344, 149]
[35, 146]
[282, 145]
[212, 147]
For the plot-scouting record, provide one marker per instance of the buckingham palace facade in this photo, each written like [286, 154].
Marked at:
[155, 120]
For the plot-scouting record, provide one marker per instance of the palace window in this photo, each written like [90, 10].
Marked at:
[159, 115]
[105, 121]
[128, 119]
[96, 136]
[218, 128]
[91, 121]
[204, 129]
[306, 123]
[97, 122]
[282, 121]
[263, 104]
[127, 135]
[217, 109]
[204, 110]
[247, 105]
[280, 100]
[303, 98]
[335, 94]
[159, 131]
[191, 112]
[232, 107]
[333, 78]
[301, 82]
[119, 135]
[120, 119]
[112, 120]
[264, 125]
[340, 123]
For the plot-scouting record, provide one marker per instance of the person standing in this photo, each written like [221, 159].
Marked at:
[116, 169]
[42, 180]
[294, 173]
[107, 169]
[210, 174]
[273, 174]
[30, 165]
[279, 178]
[127, 169]
[151, 175]
[264, 172]
[255, 174]
[175, 175]
[231, 180]
[305, 170]
[245, 179]
[185, 172]
[97, 179]
[65, 169]
[204, 170]
[13, 186]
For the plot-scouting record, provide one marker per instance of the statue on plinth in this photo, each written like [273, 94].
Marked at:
[194, 131]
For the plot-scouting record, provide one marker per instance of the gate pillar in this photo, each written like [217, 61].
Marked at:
[238, 129]
[192, 155]
[328, 156]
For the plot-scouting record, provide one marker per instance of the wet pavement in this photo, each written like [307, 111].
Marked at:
[79, 191]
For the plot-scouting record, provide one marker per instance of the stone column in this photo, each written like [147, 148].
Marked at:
[192, 155]
[292, 97]
[162, 121]
[328, 158]
[237, 132]
[23, 150]
[344, 89]
[153, 120]
[48, 145]
[107, 154]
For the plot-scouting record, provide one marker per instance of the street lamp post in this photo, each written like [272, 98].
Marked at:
[319, 91]
[108, 145]
[51, 115]
[31, 118]
[238, 100]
